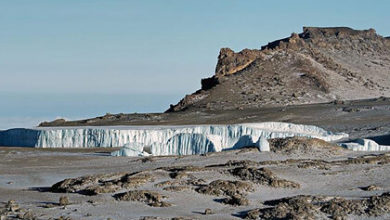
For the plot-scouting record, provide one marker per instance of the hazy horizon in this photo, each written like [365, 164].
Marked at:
[47, 107]
[78, 59]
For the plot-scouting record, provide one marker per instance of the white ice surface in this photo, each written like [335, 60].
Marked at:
[365, 145]
[263, 144]
[163, 140]
[131, 150]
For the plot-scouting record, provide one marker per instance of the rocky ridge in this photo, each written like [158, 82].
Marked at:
[315, 66]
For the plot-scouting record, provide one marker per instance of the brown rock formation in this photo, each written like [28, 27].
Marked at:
[230, 62]
[317, 65]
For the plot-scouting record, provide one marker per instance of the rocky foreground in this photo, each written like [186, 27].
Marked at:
[299, 179]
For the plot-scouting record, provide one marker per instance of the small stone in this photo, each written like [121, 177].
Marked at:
[91, 201]
[236, 200]
[28, 215]
[64, 218]
[160, 204]
[49, 206]
[64, 201]
[12, 206]
[371, 188]
[208, 212]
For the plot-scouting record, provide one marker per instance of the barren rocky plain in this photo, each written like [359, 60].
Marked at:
[334, 78]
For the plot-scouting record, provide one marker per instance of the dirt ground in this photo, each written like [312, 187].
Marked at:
[28, 174]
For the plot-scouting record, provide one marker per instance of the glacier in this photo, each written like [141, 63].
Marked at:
[163, 140]
[363, 144]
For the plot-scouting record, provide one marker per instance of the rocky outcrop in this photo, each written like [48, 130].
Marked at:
[292, 42]
[226, 187]
[151, 198]
[262, 176]
[230, 62]
[322, 207]
[302, 145]
[102, 183]
[317, 65]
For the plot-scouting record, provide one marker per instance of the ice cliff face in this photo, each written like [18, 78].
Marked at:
[163, 140]
[365, 145]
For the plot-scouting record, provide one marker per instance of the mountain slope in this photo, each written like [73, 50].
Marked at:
[318, 65]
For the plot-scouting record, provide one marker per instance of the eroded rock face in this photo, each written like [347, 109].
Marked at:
[314, 207]
[293, 42]
[339, 32]
[230, 62]
[262, 176]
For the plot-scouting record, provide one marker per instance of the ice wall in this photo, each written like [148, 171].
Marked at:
[163, 140]
[365, 145]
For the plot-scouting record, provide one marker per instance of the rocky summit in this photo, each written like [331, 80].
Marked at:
[318, 65]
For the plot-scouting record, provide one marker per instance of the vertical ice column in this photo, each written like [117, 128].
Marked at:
[263, 144]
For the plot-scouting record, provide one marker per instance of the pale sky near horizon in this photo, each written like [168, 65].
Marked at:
[84, 58]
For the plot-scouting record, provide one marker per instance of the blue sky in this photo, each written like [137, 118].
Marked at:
[83, 58]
